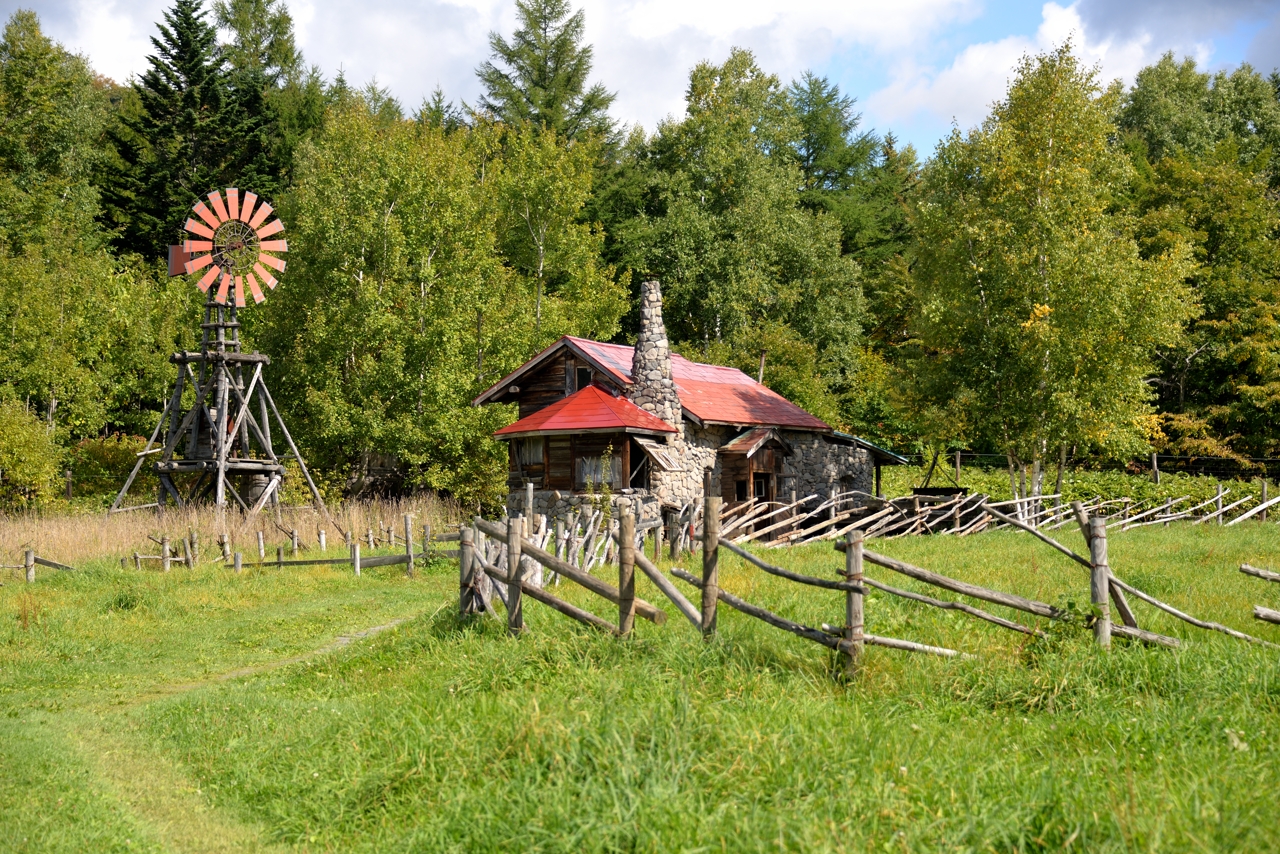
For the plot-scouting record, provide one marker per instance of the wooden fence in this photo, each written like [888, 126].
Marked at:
[810, 519]
[500, 560]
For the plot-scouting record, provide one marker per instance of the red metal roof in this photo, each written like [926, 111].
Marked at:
[589, 410]
[711, 393]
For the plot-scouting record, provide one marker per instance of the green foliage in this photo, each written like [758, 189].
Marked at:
[29, 457]
[740, 260]
[100, 464]
[1174, 108]
[400, 306]
[541, 75]
[1038, 315]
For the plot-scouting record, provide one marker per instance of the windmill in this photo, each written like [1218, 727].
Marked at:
[217, 448]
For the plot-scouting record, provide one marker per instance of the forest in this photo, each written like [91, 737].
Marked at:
[1092, 272]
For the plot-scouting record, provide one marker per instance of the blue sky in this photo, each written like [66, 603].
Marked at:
[915, 66]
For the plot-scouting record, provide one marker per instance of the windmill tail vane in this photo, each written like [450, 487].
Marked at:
[233, 240]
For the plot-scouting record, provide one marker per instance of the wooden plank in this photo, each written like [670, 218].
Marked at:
[1169, 609]
[571, 572]
[540, 595]
[1045, 538]
[1009, 600]
[788, 574]
[53, 564]
[626, 572]
[1260, 573]
[1266, 614]
[953, 606]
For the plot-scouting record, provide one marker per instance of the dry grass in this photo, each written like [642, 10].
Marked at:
[79, 538]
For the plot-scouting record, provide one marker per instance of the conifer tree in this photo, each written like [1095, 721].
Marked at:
[544, 75]
[174, 140]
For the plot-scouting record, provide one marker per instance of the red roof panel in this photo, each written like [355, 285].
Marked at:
[588, 409]
[711, 392]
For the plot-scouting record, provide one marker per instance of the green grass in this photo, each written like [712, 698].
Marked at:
[443, 735]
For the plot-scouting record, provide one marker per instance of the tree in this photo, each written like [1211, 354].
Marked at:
[1173, 108]
[721, 226]
[85, 338]
[399, 306]
[543, 73]
[174, 140]
[261, 38]
[1038, 316]
[541, 190]
[1222, 384]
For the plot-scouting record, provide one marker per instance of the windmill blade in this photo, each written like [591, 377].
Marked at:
[258, 296]
[191, 247]
[208, 278]
[215, 199]
[270, 228]
[204, 213]
[233, 203]
[198, 263]
[260, 217]
[223, 287]
[246, 206]
[198, 228]
[271, 261]
[274, 246]
[239, 292]
[267, 279]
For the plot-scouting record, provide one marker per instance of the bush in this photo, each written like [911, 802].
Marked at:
[29, 458]
[99, 465]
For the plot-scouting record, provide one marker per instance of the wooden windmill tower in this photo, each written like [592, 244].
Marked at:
[219, 447]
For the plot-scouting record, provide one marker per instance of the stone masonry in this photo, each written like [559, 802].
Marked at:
[652, 388]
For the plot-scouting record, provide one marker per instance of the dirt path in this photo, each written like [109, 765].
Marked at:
[156, 790]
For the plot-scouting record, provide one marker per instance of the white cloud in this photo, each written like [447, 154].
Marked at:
[965, 90]
[644, 49]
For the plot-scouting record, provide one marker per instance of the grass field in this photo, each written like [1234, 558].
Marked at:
[186, 712]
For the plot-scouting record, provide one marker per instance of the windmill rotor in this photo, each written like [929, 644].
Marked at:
[231, 240]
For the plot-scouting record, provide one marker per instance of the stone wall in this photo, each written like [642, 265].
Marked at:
[817, 467]
[652, 388]
[563, 504]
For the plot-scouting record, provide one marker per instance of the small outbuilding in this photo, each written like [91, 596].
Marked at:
[650, 424]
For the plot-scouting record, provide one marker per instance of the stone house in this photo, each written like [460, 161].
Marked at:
[652, 424]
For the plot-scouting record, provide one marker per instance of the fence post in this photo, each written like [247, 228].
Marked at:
[466, 562]
[280, 558]
[29, 564]
[957, 468]
[137, 562]
[710, 557]
[186, 554]
[1100, 581]
[408, 543]
[528, 506]
[239, 564]
[293, 543]
[194, 539]
[515, 611]
[322, 540]
[1262, 517]
[68, 475]
[626, 572]
[355, 557]
[854, 620]
[370, 539]
[164, 554]
[1168, 509]
[674, 535]
[1218, 504]
[262, 548]
[1155, 469]
[225, 544]
[657, 539]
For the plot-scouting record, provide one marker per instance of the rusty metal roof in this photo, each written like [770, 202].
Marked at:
[588, 410]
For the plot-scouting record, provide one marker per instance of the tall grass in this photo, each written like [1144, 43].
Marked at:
[448, 735]
[79, 537]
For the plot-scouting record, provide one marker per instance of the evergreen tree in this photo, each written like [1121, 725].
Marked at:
[543, 78]
[174, 140]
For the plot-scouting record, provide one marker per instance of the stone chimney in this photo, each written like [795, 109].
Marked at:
[652, 388]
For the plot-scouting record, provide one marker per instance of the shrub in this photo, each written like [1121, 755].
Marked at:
[29, 458]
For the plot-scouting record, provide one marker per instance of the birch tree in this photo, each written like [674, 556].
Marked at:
[1036, 309]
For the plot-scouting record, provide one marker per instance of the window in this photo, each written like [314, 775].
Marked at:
[529, 453]
[584, 378]
[740, 490]
[589, 470]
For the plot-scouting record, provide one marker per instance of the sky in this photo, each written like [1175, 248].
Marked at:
[917, 67]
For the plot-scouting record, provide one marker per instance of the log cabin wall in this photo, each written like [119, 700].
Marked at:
[556, 380]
